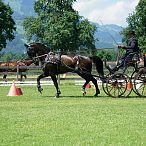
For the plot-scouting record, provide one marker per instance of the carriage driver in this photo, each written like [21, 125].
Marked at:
[132, 47]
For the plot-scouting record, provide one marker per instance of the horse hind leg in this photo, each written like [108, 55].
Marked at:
[87, 79]
[54, 79]
[84, 87]
[94, 81]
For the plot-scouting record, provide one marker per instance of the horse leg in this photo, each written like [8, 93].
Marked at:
[5, 78]
[94, 81]
[89, 78]
[40, 89]
[23, 75]
[54, 79]
[84, 86]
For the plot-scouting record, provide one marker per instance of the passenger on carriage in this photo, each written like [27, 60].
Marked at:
[131, 49]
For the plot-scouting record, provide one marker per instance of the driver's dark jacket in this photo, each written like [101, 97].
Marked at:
[132, 45]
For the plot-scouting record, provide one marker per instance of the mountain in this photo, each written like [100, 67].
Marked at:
[108, 35]
[21, 9]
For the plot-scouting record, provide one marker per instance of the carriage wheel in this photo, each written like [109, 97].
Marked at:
[117, 85]
[140, 82]
[132, 79]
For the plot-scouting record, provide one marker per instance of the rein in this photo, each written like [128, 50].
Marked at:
[85, 72]
[40, 56]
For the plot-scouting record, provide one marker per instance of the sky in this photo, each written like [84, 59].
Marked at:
[106, 11]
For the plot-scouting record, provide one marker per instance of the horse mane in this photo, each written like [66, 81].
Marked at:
[43, 46]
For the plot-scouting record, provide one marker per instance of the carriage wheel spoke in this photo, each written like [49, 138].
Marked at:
[117, 85]
[140, 83]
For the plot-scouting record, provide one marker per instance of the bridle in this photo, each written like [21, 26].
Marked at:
[39, 56]
[36, 58]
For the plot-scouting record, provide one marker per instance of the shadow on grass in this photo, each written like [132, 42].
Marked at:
[72, 96]
[92, 96]
[134, 96]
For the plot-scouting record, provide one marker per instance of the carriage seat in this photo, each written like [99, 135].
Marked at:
[131, 59]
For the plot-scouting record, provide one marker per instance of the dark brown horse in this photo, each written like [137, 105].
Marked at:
[54, 64]
[11, 66]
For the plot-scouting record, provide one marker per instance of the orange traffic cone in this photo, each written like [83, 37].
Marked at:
[19, 91]
[14, 91]
[129, 85]
[88, 85]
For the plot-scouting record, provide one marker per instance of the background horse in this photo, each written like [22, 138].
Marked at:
[11, 66]
[54, 64]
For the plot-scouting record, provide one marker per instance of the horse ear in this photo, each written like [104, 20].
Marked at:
[26, 45]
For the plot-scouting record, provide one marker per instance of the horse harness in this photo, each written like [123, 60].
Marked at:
[52, 58]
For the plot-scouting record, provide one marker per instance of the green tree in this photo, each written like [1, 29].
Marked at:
[11, 56]
[137, 21]
[107, 54]
[60, 26]
[7, 25]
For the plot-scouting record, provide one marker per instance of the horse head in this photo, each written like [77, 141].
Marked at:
[36, 50]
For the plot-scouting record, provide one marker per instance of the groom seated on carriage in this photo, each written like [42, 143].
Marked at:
[131, 49]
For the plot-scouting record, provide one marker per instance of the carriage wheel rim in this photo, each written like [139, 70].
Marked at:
[118, 88]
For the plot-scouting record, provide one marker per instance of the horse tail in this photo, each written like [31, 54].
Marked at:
[99, 64]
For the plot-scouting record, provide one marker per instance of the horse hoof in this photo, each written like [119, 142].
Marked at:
[57, 96]
[40, 90]
[84, 93]
[96, 95]
[5, 80]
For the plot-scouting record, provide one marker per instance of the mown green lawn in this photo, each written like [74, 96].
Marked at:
[71, 120]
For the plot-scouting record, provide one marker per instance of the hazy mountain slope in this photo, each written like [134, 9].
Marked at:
[21, 8]
[108, 35]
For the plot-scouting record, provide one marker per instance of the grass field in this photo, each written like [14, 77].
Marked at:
[71, 120]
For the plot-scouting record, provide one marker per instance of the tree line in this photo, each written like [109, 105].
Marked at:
[108, 54]
[60, 27]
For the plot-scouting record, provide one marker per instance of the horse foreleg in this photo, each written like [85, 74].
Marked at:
[54, 79]
[40, 89]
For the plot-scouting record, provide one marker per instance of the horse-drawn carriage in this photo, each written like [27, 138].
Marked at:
[121, 83]
[116, 84]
